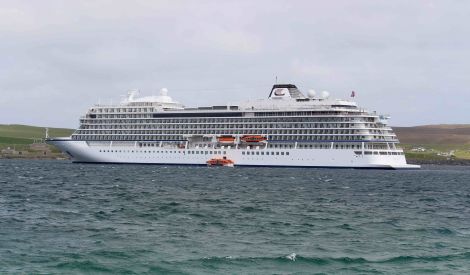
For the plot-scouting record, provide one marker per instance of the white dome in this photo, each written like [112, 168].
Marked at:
[311, 93]
[164, 92]
[325, 94]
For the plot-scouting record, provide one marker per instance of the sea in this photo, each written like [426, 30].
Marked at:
[57, 217]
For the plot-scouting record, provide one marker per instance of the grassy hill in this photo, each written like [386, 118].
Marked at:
[435, 134]
[435, 142]
[21, 137]
[23, 134]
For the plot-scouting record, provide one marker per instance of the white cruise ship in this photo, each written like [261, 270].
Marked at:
[286, 129]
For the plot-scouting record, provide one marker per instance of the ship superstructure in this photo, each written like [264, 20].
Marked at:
[286, 129]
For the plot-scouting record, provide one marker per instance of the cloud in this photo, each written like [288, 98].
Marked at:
[60, 57]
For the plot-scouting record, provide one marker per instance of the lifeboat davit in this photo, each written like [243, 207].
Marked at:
[253, 138]
[220, 162]
[226, 139]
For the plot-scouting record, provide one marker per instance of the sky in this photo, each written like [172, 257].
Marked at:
[408, 59]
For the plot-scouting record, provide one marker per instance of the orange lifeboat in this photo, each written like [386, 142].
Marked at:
[226, 139]
[253, 138]
[220, 162]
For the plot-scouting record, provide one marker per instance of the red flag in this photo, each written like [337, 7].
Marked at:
[353, 94]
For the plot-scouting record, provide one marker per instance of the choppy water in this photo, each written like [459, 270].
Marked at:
[58, 217]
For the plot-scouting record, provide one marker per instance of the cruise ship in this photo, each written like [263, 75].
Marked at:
[288, 128]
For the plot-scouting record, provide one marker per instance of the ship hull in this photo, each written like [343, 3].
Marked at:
[85, 152]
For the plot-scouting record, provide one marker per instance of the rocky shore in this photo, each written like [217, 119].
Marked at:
[455, 162]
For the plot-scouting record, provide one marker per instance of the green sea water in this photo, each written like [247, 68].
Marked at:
[62, 218]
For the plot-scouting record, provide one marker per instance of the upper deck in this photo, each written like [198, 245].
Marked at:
[283, 97]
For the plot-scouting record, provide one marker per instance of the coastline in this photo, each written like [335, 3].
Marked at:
[49, 157]
[443, 162]
[451, 162]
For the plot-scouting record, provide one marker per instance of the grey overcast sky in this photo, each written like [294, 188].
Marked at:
[409, 59]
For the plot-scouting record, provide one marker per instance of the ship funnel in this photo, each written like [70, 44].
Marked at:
[282, 91]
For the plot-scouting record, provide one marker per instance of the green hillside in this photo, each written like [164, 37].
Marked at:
[23, 134]
[25, 131]
[435, 142]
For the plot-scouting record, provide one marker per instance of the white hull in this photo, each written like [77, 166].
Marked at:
[81, 151]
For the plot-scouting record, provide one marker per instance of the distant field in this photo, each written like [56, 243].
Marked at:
[29, 132]
[435, 134]
[23, 134]
[436, 140]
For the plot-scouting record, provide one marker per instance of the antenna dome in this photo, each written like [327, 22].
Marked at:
[325, 94]
[311, 93]
[164, 92]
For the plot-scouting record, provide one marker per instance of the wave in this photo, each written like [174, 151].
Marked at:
[83, 266]
[291, 258]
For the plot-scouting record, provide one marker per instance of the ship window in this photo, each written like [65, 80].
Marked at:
[257, 153]
[277, 153]
[243, 153]
[282, 153]
[287, 153]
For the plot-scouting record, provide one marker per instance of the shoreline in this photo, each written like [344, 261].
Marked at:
[449, 162]
[58, 157]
